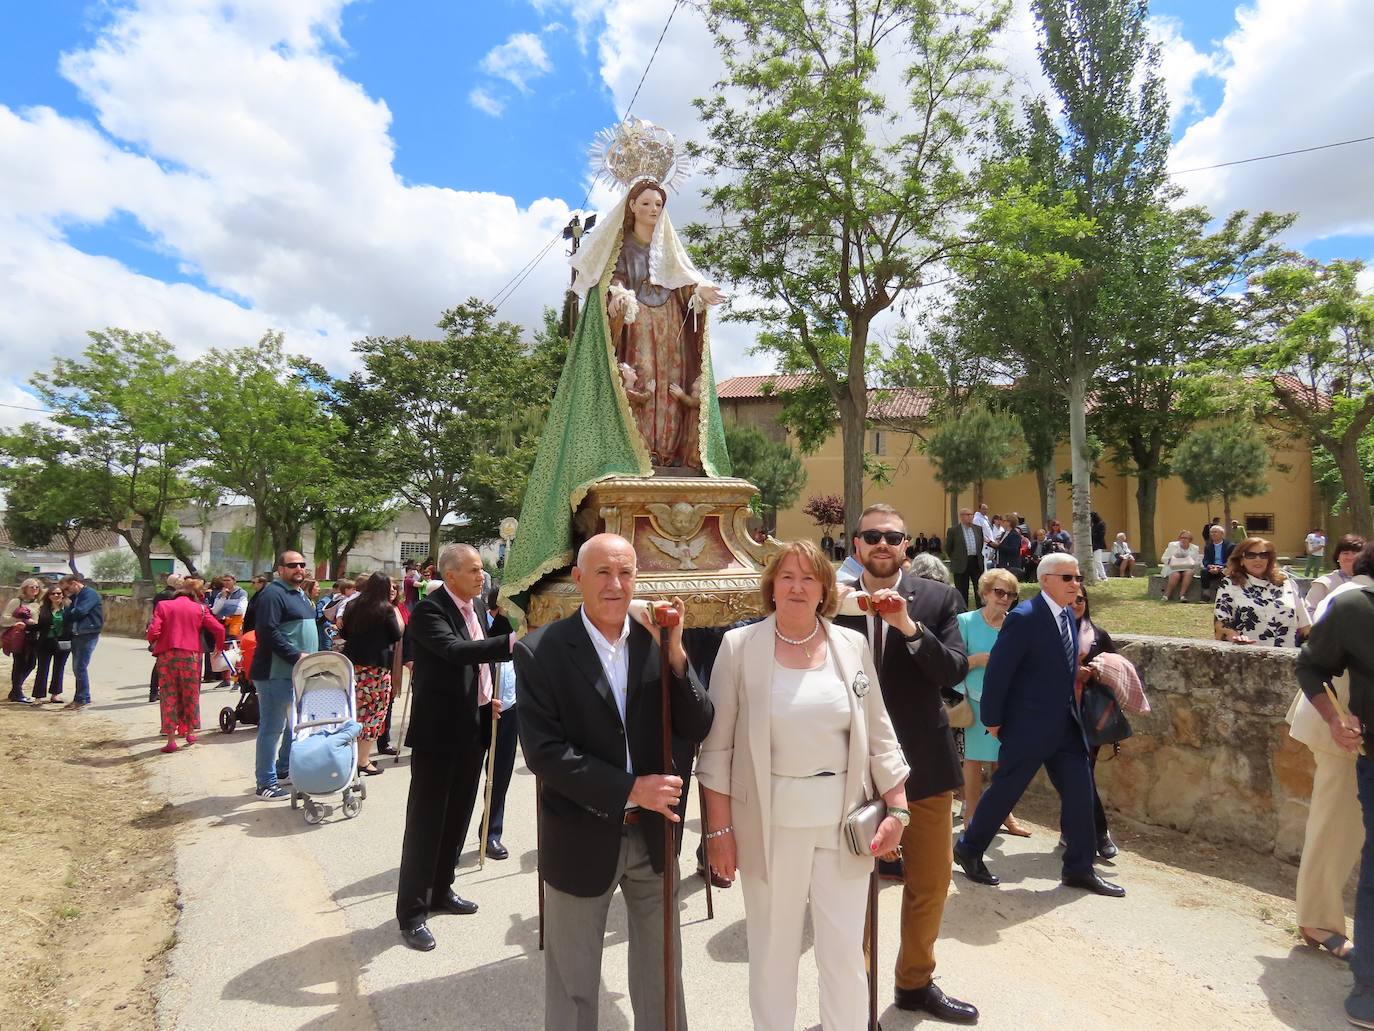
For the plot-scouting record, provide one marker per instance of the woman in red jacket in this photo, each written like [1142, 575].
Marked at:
[175, 636]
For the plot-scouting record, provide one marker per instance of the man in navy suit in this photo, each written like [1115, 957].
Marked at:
[1214, 555]
[1030, 705]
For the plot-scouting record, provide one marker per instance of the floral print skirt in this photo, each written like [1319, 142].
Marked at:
[374, 694]
[178, 674]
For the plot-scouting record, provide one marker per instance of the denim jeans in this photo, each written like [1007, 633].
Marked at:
[276, 700]
[1362, 959]
[82, 646]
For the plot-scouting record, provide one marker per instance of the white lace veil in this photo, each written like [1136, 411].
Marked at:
[669, 265]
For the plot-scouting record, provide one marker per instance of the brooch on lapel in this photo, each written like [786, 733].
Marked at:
[861, 684]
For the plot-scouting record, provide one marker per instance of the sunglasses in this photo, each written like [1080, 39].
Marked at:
[1076, 578]
[892, 537]
[999, 592]
[1258, 554]
[293, 565]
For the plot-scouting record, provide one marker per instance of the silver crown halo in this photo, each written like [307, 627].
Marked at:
[637, 149]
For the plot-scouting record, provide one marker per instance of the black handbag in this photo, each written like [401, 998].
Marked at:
[1103, 721]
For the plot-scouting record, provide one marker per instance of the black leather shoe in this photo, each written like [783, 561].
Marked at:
[496, 850]
[1106, 847]
[935, 1002]
[1092, 882]
[388, 750]
[452, 903]
[418, 938]
[974, 868]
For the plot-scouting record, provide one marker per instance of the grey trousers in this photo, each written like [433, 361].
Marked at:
[574, 931]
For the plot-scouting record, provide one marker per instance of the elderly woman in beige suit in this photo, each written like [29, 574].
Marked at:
[801, 739]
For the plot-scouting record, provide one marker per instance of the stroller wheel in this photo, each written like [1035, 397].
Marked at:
[352, 804]
[313, 812]
[226, 720]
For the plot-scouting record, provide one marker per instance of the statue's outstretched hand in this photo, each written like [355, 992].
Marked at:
[615, 305]
[710, 294]
[683, 398]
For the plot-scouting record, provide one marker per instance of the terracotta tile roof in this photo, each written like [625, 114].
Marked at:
[1293, 385]
[883, 402]
[86, 541]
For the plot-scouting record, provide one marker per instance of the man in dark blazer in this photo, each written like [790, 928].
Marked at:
[964, 548]
[455, 700]
[591, 724]
[1030, 706]
[918, 652]
[1215, 554]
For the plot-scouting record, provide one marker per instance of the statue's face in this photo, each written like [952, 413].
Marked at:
[647, 207]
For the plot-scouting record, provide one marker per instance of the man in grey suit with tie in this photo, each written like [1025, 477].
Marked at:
[591, 715]
[964, 546]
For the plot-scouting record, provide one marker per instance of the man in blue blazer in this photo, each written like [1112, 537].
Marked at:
[1215, 554]
[1030, 705]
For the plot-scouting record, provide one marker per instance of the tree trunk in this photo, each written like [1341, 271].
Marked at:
[341, 562]
[852, 434]
[1082, 475]
[434, 523]
[1146, 500]
[143, 551]
[1226, 511]
[953, 509]
[1346, 453]
[259, 528]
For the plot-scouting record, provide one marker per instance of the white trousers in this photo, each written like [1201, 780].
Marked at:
[774, 914]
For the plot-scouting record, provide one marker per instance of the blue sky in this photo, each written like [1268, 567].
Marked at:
[334, 168]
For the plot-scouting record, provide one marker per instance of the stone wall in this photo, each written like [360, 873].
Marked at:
[1213, 757]
[124, 616]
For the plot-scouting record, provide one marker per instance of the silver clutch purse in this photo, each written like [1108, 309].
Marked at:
[861, 826]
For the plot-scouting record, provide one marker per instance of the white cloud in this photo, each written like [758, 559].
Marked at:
[518, 60]
[486, 103]
[1181, 65]
[227, 131]
[585, 14]
[1296, 73]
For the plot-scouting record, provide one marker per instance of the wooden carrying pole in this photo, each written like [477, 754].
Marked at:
[669, 845]
[538, 870]
[398, 672]
[701, 806]
[491, 769]
[873, 1024]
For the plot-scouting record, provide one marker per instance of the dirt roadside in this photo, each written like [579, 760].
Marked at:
[86, 870]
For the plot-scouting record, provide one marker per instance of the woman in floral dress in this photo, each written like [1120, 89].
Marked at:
[370, 627]
[1257, 603]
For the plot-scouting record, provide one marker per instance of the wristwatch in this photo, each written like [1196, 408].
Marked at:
[902, 816]
[920, 632]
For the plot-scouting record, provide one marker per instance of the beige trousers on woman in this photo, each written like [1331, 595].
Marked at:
[1331, 848]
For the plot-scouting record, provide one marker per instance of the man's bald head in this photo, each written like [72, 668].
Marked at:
[605, 574]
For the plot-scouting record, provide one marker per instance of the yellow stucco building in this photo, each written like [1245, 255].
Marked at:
[1290, 508]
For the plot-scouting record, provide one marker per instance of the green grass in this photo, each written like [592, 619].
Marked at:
[1119, 606]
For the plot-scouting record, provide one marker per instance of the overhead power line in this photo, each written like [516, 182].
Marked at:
[504, 294]
[1268, 157]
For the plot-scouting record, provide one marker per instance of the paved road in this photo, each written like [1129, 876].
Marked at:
[290, 926]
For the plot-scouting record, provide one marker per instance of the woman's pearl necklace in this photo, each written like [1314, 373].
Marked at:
[801, 641]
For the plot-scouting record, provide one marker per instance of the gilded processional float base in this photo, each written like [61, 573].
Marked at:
[691, 536]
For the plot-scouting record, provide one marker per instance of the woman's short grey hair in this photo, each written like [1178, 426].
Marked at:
[928, 567]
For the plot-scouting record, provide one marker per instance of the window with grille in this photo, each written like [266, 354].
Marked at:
[1259, 523]
[414, 550]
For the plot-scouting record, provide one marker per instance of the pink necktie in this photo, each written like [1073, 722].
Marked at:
[484, 670]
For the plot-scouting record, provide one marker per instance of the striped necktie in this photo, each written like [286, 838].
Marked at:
[1066, 636]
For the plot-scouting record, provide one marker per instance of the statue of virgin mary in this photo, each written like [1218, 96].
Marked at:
[637, 396]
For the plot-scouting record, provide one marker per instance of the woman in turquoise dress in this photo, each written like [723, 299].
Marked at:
[997, 589]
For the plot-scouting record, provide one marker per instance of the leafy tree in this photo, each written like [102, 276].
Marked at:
[1315, 345]
[113, 565]
[430, 408]
[49, 495]
[1043, 415]
[826, 511]
[1227, 461]
[1182, 319]
[123, 414]
[770, 465]
[979, 445]
[833, 200]
[1056, 297]
[266, 436]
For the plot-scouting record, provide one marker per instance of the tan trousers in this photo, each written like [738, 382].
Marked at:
[1335, 835]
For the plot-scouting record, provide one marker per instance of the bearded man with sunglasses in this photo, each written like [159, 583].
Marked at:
[284, 620]
[918, 652]
[1030, 705]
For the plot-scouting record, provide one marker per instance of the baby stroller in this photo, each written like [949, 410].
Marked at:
[324, 736]
[246, 709]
